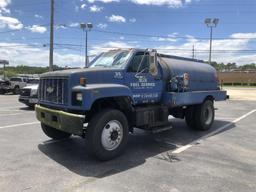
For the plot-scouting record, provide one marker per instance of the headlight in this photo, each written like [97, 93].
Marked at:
[33, 92]
[79, 97]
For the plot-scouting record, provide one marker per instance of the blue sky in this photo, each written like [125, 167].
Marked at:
[172, 26]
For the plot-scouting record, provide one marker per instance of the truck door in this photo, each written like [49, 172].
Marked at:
[145, 88]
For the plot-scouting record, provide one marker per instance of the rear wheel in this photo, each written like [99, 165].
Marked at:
[54, 133]
[107, 134]
[200, 117]
[204, 115]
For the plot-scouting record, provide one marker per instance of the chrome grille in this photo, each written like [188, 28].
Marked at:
[53, 90]
[25, 92]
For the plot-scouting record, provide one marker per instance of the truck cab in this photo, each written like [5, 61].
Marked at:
[123, 89]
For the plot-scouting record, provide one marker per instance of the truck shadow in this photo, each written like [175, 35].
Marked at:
[27, 108]
[72, 153]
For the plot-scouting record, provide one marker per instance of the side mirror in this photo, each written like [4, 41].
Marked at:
[153, 63]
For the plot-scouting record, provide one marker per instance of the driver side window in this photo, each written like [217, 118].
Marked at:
[136, 65]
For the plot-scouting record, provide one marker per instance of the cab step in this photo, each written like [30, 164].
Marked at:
[161, 129]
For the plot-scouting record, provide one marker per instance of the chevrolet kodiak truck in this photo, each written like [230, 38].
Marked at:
[123, 89]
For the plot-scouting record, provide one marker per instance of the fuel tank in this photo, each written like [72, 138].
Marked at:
[201, 76]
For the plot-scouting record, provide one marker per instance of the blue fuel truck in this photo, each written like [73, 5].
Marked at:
[123, 89]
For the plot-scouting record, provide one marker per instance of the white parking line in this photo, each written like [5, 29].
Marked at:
[18, 125]
[6, 115]
[12, 107]
[185, 147]
[180, 149]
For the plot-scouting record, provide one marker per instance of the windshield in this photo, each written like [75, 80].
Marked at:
[112, 59]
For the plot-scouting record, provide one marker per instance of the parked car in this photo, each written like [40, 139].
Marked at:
[4, 86]
[17, 83]
[33, 81]
[29, 95]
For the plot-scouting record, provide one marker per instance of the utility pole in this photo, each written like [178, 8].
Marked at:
[51, 37]
[193, 52]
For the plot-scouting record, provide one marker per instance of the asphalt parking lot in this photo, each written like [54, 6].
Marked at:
[179, 160]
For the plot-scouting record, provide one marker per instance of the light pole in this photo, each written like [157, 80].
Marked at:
[211, 23]
[86, 27]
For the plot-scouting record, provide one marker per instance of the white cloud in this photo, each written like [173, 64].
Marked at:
[74, 24]
[95, 8]
[103, 1]
[233, 47]
[83, 6]
[169, 3]
[116, 19]
[111, 45]
[10, 22]
[243, 35]
[37, 29]
[23, 54]
[170, 38]
[3, 5]
[60, 27]
[132, 20]
[38, 16]
[102, 25]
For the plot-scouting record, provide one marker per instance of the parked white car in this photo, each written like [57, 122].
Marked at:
[17, 83]
[29, 95]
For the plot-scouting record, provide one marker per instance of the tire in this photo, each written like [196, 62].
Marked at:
[54, 133]
[2, 92]
[107, 134]
[31, 106]
[190, 117]
[204, 115]
[16, 90]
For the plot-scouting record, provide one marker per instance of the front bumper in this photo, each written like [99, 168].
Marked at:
[28, 100]
[5, 88]
[61, 120]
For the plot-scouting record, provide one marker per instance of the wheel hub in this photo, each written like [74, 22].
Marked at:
[208, 114]
[112, 135]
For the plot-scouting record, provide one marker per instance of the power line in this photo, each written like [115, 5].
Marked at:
[145, 35]
[170, 37]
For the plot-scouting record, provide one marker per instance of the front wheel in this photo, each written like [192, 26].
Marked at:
[107, 134]
[54, 133]
[16, 90]
[2, 92]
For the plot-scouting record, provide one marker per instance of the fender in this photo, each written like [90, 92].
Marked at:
[93, 92]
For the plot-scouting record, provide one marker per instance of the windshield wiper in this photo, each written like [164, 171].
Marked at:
[116, 64]
[100, 65]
